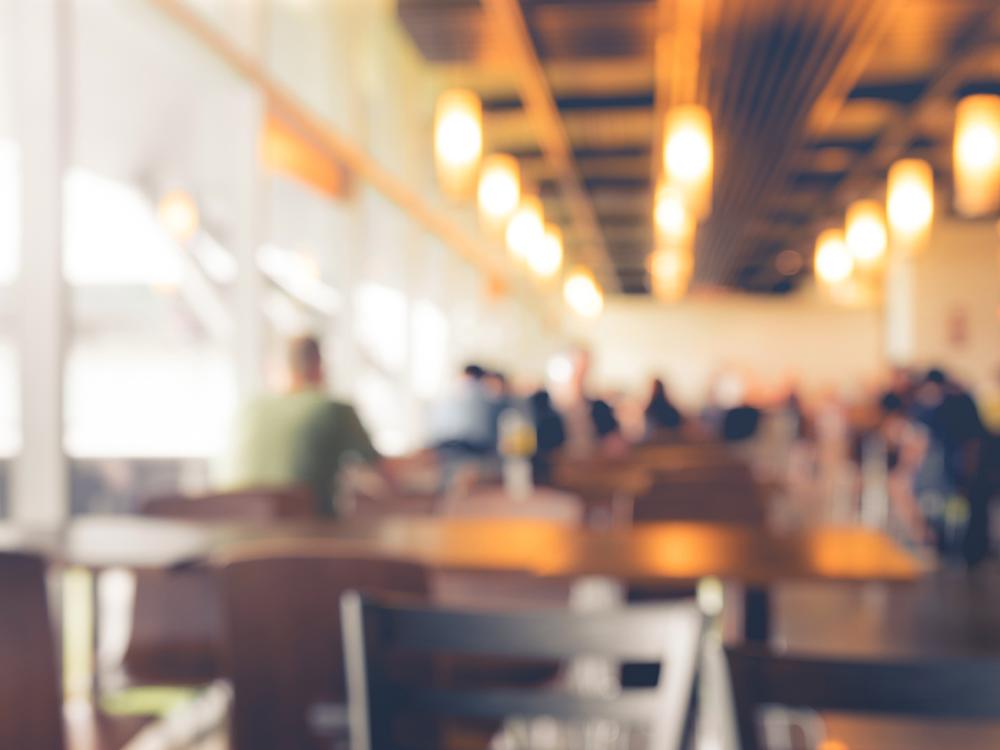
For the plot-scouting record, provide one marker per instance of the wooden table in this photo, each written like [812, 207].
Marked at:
[659, 553]
[656, 552]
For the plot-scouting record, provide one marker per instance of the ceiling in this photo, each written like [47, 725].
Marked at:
[811, 101]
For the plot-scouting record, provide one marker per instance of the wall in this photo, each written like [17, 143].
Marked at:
[773, 338]
[953, 318]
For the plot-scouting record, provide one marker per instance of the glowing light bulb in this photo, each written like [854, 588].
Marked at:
[526, 228]
[583, 295]
[688, 156]
[910, 201]
[976, 155]
[670, 271]
[458, 140]
[499, 189]
[179, 215]
[673, 220]
[545, 258]
[833, 261]
[865, 233]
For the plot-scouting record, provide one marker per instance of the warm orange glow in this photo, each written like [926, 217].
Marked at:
[670, 270]
[583, 295]
[179, 215]
[865, 233]
[688, 156]
[526, 228]
[458, 141]
[285, 151]
[499, 189]
[546, 257]
[674, 222]
[910, 202]
[976, 155]
[833, 263]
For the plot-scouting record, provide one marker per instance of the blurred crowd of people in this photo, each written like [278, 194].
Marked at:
[912, 454]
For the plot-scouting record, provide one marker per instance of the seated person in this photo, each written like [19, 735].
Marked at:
[300, 436]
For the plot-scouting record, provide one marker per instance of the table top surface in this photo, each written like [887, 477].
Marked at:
[648, 552]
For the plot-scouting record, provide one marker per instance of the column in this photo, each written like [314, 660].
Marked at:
[40, 481]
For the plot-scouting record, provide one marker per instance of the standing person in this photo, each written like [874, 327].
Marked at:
[590, 423]
[299, 436]
[550, 435]
[952, 418]
[463, 425]
[661, 414]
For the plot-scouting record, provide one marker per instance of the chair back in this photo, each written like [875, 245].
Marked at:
[953, 688]
[378, 637]
[283, 639]
[177, 627]
[30, 701]
[252, 504]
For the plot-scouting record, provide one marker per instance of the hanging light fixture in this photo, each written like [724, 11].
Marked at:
[499, 189]
[179, 215]
[582, 294]
[865, 233]
[976, 155]
[458, 141]
[688, 157]
[546, 257]
[910, 202]
[670, 270]
[674, 223]
[526, 228]
[833, 262]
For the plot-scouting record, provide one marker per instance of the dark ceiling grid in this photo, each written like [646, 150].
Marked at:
[770, 53]
[783, 79]
[896, 137]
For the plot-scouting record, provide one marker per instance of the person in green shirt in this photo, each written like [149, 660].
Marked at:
[300, 436]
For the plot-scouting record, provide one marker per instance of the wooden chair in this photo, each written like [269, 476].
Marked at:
[733, 496]
[283, 639]
[959, 689]
[252, 504]
[608, 488]
[384, 700]
[177, 614]
[30, 700]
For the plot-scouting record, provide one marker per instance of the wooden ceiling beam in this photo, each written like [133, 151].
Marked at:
[507, 18]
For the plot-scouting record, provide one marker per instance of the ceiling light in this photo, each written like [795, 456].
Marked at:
[458, 141]
[865, 233]
[833, 262]
[910, 201]
[499, 189]
[976, 155]
[688, 156]
[582, 294]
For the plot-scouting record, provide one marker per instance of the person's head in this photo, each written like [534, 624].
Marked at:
[657, 391]
[473, 372]
[932, 389]
[540, 401]
[305, 362]
[496, 382]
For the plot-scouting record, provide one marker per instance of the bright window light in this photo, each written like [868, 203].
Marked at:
[113, 236]
[125, 399]
[381, 325]
[10, 209]
[10, 417]
[430, 349]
